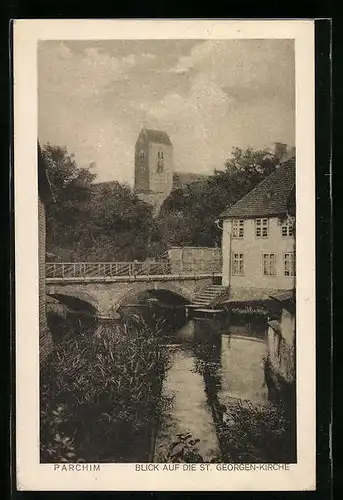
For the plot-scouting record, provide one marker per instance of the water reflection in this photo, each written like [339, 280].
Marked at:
[242, 369]
[210, 365]
[231, 363]
[189, 412]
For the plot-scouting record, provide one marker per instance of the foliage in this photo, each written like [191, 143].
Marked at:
[188, 215]
[108, 222]
[247, 433]
[183, 450]
[255, 433]
[68, 180]
[70, 212]
[105, 388]
[57, 446]
[121, 225]
[93, 221]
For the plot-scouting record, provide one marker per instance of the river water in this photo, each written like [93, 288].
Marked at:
[210, 365]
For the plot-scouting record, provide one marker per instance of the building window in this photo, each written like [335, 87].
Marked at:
[237, 264]
[287, 228]
[289, 264]
[261, 228]
[269, 268]
[238, 228]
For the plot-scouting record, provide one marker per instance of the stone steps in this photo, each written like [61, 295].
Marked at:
[209, 297]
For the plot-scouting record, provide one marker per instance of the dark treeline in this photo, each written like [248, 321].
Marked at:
[108, 222]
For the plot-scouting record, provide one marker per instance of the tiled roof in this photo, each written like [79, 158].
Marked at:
[158, 136]
[269, 198]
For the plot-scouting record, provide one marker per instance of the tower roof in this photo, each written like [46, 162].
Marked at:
[157, 136]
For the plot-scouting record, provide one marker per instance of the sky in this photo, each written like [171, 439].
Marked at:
[94, 97]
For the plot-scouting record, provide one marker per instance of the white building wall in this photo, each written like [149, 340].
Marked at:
[281, 347]
[288, 326]
[253, 248]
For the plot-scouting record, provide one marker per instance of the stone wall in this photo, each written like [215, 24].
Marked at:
[45, 339]
[186, 260]
[280, 361]
[107, 297]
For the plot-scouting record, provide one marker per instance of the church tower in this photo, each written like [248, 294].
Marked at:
[153, 166]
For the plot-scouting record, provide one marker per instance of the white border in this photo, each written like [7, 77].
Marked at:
[122, 477]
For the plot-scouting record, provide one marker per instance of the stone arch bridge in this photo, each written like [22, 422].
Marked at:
[102, 294]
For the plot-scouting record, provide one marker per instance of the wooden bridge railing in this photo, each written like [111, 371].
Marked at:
[104, 269]
[115, 269]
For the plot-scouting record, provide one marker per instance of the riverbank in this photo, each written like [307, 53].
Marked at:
[137, 391]
[101, 395]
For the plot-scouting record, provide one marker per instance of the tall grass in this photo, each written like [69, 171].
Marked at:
[256, 433]
[101, 395]
[247, 433]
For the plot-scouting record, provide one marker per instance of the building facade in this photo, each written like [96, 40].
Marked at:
[44, 193]
[258, 240]
[154, 166]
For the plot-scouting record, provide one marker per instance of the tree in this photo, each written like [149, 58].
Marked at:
[65, 175]
[198, 205]
[69, 214]
[95, 222]
[109, 222]
[122, 221]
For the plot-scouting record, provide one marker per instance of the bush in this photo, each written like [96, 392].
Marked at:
[255, 434]
[102, 393]
[183, 450]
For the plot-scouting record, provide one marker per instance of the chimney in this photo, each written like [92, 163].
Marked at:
[280, 150]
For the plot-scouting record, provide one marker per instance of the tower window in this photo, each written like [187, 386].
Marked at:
[141, 160]
[160, 162]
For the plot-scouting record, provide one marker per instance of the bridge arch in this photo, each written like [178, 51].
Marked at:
[138, 289]
[77, 301]
[71, 315]
[105, 297]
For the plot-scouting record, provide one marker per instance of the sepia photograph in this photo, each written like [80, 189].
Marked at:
[167, 227]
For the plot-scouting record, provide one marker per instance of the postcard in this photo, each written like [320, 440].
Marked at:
[164, 178]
